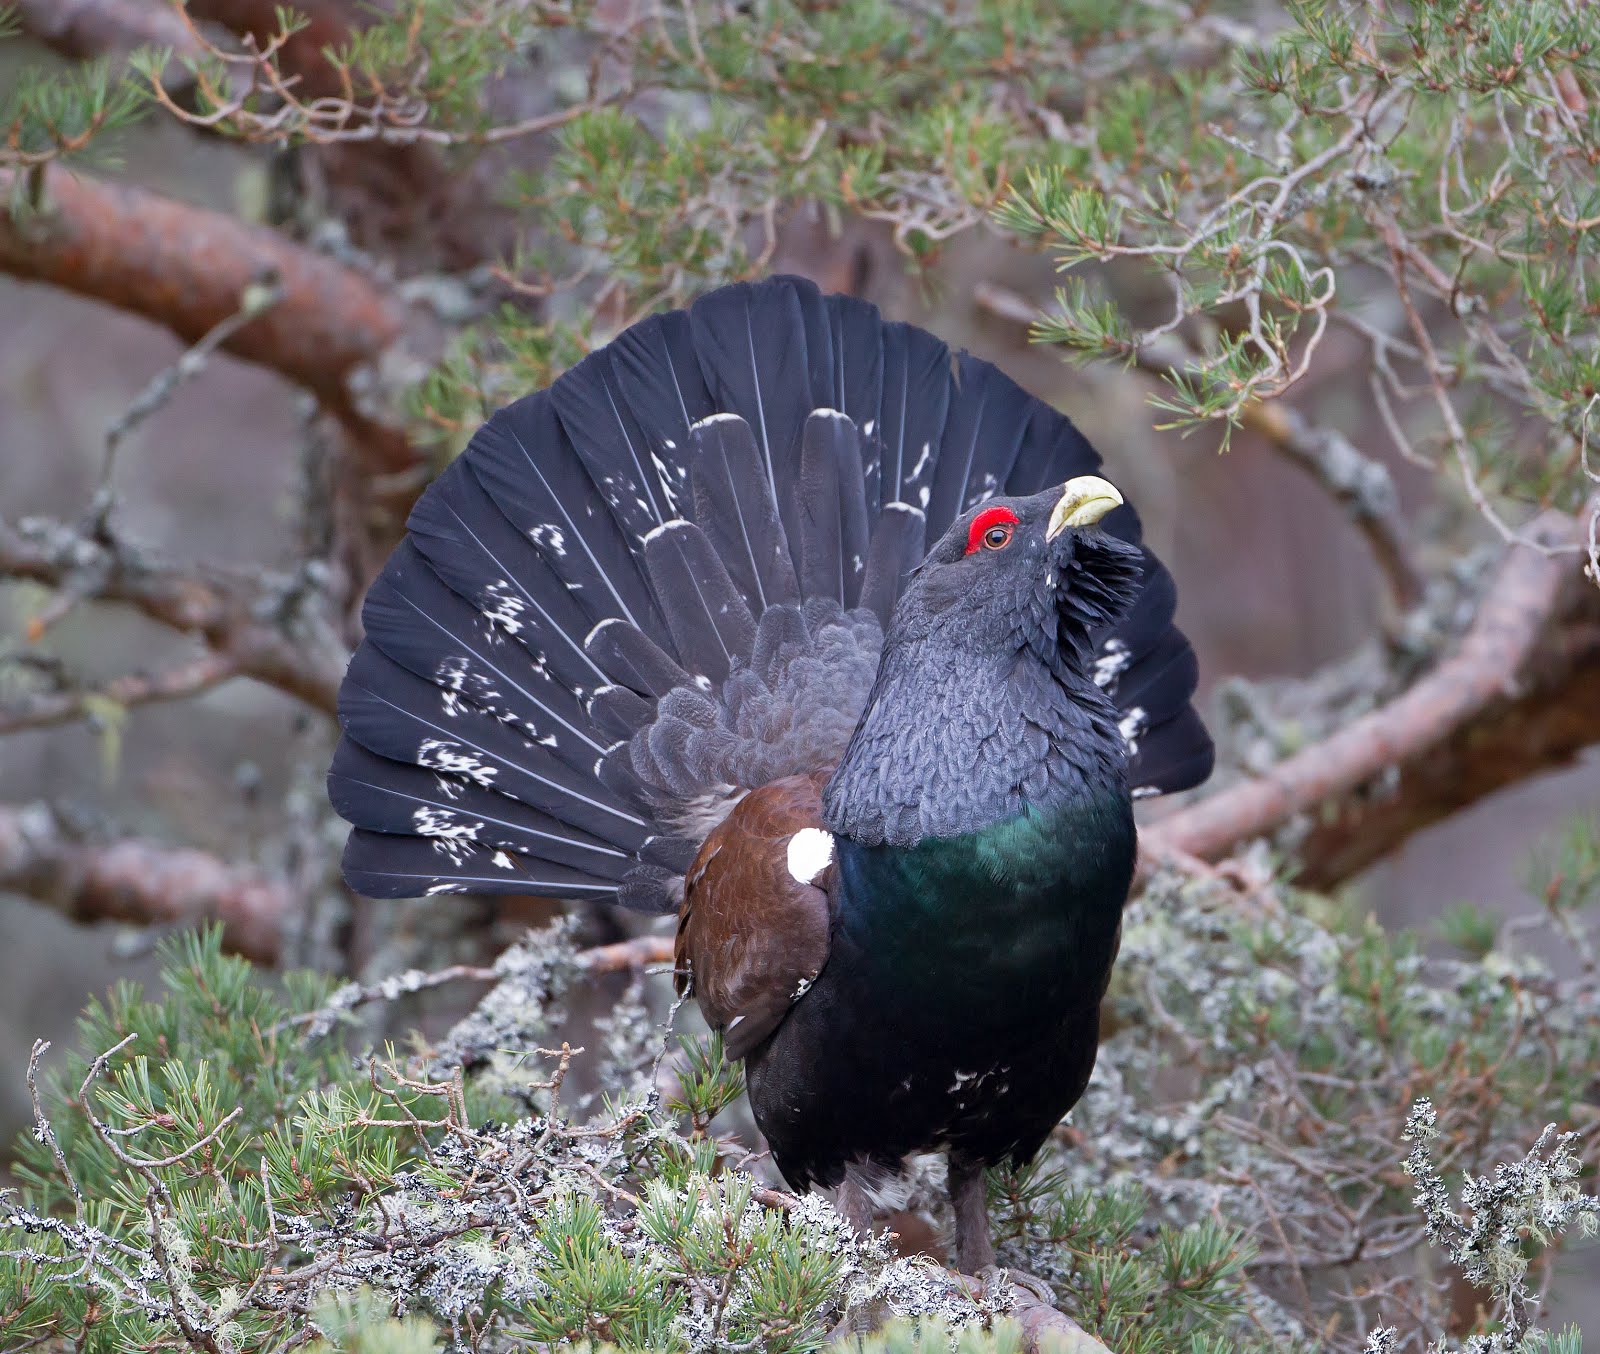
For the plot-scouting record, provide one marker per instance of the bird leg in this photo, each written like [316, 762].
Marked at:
[852, 1201]
[974, 1250]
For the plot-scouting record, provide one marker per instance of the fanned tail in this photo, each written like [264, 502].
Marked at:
[664, 580]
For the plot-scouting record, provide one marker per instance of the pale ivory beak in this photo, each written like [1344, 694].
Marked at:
[1084, 501]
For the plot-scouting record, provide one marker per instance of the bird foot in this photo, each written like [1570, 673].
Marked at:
[999, 1277]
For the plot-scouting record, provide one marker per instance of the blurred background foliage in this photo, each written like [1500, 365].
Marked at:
[265, 268]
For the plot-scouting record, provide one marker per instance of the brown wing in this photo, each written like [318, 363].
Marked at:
[752, 936]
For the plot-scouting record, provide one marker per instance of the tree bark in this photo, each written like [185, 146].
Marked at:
[188, 269]
[1520, 695]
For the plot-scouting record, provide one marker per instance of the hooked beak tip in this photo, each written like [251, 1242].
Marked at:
[1084, 501]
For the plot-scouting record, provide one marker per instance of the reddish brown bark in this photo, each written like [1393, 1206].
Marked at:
[1520, 695]
[139, 881]
[188, 268]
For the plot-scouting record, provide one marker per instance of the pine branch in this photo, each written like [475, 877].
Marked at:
[1516, 698]
[385, 181]
[1360, 485]
[324, 25]
[138, 881]
[186, 268]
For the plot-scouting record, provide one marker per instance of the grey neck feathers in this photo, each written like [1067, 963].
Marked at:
[955, 740]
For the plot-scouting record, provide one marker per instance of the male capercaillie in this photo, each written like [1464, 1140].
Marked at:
[670, 634]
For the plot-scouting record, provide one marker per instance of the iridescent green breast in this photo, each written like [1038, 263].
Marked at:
[1019, 917]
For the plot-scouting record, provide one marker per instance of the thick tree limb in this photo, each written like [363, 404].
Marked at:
[138, 881]
[1518, 696]
[267, 633]
[187, 268]
[1551, 719]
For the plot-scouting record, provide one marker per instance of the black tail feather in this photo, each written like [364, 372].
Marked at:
[706, 617]
[752, 345]
[1052, 450]
[899, 541]
[431, 631]
[383, 795]
[385, 865]
[983, 433]
[911, 418]
[574, 660]
[525, 461]
[734, 507]
[471, 546]
[613, 447]
[634, 660]
[822, 549]
[399, 715]
[660, 382]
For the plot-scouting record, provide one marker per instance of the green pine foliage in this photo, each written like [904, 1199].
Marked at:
[221, 1167]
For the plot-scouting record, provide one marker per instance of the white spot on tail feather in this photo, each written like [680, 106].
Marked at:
[609, 620]
[502, 606]
[450, 834]
[1131, 727]
[676, 524]
[439, 754]
[551, 537]
[1112, 663]
[810, 853]
[444, 823]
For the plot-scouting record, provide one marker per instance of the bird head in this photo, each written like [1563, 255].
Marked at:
[1035, 573]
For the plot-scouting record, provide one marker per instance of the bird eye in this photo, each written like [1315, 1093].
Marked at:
[991, 529]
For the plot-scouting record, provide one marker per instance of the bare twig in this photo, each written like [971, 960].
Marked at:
[178, 683]
[273, 631]
[638, 953]
[259, 297]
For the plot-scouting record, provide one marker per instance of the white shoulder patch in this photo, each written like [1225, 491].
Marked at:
[810, 853]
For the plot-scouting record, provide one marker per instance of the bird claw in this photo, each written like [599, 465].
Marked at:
[996, 1278]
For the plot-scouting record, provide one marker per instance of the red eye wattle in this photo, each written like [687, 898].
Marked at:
[991, 529]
